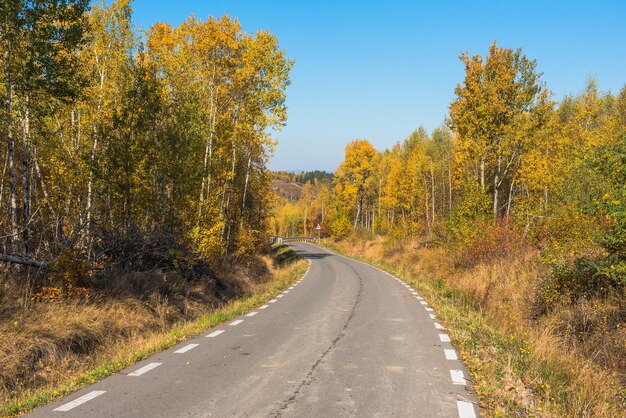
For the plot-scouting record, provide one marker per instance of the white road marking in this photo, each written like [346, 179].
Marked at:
[420, 298]
[466, 409]
[457, 377]
[415, 293]
[430, 309]
[280, 296]
[236, 322]
[252, 313]
[450, 354]
[423, 302]
[80, 401]
[438, 325]
[273, 301]
[292, 287]
[215, 333]
[444, 338]
[264, 307]
[186, 348]
[286, 291]
[145, 369]
[432, 316]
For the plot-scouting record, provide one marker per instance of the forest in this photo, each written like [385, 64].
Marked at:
[134, 194]
[518, 202]
[114, 136]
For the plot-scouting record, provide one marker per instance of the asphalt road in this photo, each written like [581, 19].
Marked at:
[348, 340]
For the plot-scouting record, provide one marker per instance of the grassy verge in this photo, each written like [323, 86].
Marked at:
[142, 346]
[517, 369]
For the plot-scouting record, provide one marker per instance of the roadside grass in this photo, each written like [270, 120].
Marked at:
[517, 368]
[109, 360]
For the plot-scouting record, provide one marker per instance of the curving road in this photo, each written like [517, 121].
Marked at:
[347, 340]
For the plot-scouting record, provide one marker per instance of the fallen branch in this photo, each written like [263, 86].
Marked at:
[27, 261]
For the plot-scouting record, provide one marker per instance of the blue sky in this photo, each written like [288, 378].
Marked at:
[379, 69]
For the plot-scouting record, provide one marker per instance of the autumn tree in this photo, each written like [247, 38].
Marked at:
[121, 140]
[498, 108]
[39, 40]
[355, 181]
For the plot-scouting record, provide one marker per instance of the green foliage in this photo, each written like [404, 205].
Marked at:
[582, 278]
[118, 136]
[469, 217]
[340, 226]
[590, 276]
[313, 176]
[610, 162]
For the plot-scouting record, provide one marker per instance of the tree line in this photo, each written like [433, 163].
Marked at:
[508, 158]
[113, 132]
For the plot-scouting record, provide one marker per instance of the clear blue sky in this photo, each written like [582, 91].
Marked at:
[379, 69]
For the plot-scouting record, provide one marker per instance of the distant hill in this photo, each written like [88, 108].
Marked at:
[303, 177]
[287, 189]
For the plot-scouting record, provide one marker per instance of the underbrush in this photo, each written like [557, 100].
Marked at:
[52, 347]
[528, 356]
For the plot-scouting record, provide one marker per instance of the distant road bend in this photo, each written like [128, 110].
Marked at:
[346, 340]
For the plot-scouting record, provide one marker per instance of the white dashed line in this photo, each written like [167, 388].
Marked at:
[415, 293]
[80, 401]
[286, 291]
[438, 325]
[466, 409]
[444, 338]
[273, 301]
[236, 322]
[430, 309]
[145, 369]
[215, 333]
[186, 348]
[457, 377]
[423, 302]
[432, 316]
[420, 298]
[252, 313]
[450, 354]
[280, 296]
[264, 307]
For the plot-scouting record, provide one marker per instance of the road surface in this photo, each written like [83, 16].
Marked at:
[347, 340]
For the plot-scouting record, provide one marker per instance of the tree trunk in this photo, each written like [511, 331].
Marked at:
[92, 159]
[358, 213]
[510, 201]
[26, 176]
[208, 157]
[4, 171]
[432, 186]
[233, 173]
[482, 174]
[450, 188]
[496, 186]
[11, 149]
[245, 186]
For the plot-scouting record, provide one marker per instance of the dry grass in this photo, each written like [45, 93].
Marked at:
[568, 362]
[51, 349]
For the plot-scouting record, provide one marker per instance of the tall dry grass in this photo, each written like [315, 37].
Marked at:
[526, 359]
[51, 348]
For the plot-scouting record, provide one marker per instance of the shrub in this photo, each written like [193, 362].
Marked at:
[340, 227]
[490, 242]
